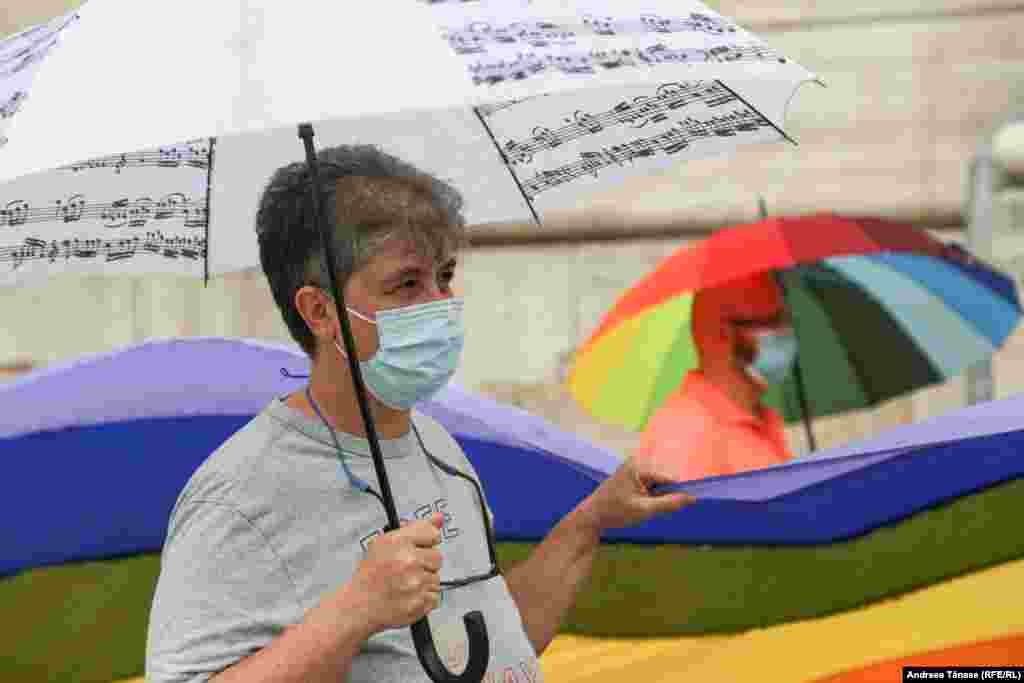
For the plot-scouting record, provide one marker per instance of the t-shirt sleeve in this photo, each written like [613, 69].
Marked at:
[222, 595]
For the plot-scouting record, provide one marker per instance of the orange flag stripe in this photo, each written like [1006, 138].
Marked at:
[1008, 651]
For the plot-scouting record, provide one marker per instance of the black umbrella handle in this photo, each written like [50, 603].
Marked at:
[476, 629]
[479, 651]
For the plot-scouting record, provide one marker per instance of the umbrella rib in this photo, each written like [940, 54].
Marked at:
[855, 365]
[209, 189]
[755, 109]
[872, 398]
[508, 166]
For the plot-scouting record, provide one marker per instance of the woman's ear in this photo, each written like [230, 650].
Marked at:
[317, 310]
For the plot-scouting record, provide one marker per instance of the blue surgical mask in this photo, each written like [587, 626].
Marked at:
[776, 353]
[418, 352]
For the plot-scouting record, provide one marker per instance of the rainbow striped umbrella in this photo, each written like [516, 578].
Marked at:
[879, 309]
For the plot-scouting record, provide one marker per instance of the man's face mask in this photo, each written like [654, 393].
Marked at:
[418, 352]
[776, 353]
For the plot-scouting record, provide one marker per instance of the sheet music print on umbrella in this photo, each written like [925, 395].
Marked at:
[106, 214]
[574, 98]
[594, 138]
[553, 151]
[20, 57]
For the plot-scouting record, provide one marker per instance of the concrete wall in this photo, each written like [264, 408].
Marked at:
[527, 308]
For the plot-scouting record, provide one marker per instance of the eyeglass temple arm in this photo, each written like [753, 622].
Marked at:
[448, 469]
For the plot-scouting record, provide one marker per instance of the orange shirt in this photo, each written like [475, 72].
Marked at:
[700, 432]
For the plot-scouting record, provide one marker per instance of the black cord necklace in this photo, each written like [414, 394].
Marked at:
[441, 465]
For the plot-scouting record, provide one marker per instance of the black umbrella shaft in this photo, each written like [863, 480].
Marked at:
[306, 133]
[798, 372]
[801, 392]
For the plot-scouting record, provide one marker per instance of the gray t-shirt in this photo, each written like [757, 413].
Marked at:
[270, 524]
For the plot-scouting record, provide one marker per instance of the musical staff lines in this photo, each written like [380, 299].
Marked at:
[547, 145]
[39, 36]
[695, 22]
[677, 138]
[25, 59]
[120, 213]
[478, 36]
[642, 111]
[193, 153]
[22, 51]
[151, 244]
[529, 64]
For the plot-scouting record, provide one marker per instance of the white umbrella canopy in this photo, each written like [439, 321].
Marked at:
[20, 57]
[141, 75]
[159, 124]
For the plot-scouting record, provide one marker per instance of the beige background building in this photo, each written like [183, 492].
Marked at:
[914, 87]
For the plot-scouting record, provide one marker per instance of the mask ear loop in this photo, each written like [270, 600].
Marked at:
[293, 375]
[337, 344]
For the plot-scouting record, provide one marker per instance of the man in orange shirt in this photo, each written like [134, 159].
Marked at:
[715, 424]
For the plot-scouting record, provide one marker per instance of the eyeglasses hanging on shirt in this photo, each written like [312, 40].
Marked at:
[444, 467]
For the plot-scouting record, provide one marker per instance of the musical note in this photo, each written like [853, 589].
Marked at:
[193, 154]
[26, 58]
[13, 103]
[16, 66]
[527, 64]
[678, 137]
[22, 51]
[15, 213]
[640, 112]
[71, 210]
[601, 26]
[699, 23]
[124, 212]
[151, 244]
[477, 36]
[32, 38]
[116, 214]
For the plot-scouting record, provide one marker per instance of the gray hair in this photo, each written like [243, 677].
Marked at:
[370, 198]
